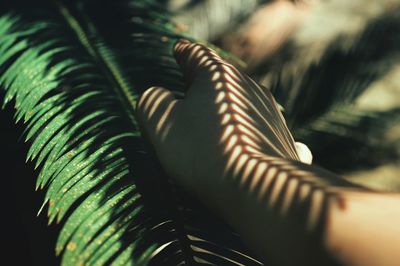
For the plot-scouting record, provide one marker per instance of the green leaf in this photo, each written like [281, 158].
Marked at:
[74, 78]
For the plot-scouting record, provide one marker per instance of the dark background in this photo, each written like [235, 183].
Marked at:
[26, 238]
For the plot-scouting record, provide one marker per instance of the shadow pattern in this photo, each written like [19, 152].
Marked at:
[259, 152]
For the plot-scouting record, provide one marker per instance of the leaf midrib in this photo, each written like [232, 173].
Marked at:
[120, 87]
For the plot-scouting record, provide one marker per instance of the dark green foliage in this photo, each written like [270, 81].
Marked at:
[74, 71]
[348, 139]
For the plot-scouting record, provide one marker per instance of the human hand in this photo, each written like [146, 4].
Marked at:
[224, 120]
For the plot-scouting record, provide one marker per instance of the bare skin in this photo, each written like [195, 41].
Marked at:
[227, 143]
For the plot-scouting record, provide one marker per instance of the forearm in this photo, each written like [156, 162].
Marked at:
[365, 231]
[295, 214]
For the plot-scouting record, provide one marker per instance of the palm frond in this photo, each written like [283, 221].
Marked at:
[73, 78]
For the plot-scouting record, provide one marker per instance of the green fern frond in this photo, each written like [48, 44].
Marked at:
[74, 78]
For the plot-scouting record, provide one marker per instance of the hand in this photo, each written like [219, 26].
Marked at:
[224, 121]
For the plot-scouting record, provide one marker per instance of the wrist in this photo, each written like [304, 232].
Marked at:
[279, 207]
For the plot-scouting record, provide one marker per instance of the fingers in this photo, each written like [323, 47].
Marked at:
[154, 111]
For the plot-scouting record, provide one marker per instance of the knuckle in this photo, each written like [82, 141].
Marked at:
[145, 96]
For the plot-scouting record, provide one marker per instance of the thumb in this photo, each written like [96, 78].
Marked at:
[153, 111]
